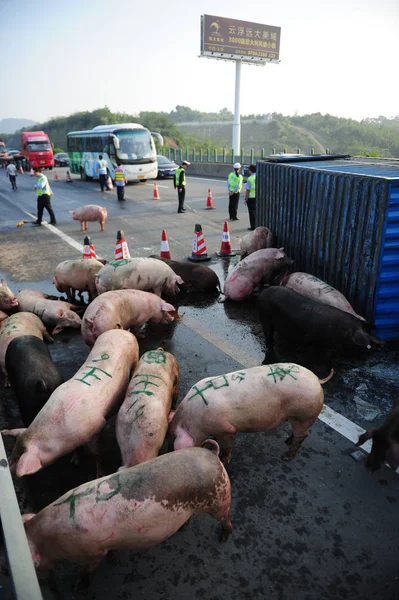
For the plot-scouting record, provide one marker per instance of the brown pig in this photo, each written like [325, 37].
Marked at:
[23, 323]
[8, 300]
[124, 309]
[142, 420]
[194, 275]
[136, 508]
[76, 411]
[385, 442]
[249, 400]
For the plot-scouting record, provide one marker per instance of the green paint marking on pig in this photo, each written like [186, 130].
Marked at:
[119, 263]
[279, 373]
[102, 357]
[154, 356]
[104, 496]
[92, 373]
[145, 382]
[216, 384]
[71, 500]
[139, 413]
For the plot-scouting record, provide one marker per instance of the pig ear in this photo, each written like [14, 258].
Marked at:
[118, 326]
[56, 330]
[13, 432]
[71, 211]
[27, 517]
[90, 322]
[28, 464]
[365, 436]
[280, 253]
[171, 415]
[166, 307]
[179, 280]
[211, 445]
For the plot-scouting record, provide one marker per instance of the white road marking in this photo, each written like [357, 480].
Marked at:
[329, 416]
[205, 179]
[162, 186]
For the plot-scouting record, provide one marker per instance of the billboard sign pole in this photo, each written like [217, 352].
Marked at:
[243, 42]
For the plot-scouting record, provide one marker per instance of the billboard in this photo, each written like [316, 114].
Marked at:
[239, 40]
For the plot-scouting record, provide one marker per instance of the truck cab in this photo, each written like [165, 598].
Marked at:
[37, 149]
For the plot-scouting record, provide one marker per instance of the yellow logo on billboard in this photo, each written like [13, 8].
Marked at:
[215, 27]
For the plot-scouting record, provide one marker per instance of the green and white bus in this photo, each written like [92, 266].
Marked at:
[130, 144]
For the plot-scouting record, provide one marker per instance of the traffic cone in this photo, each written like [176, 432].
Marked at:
[121, 249]
[225, 248]
[165, 253]
[21, 170]
[55, 176]
[68, 177]
[88, 249]
[156, 195]
[110, 185]
[31, 173]
[199, 249]
[209, 200]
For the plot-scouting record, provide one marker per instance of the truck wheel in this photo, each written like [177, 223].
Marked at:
[50, 168]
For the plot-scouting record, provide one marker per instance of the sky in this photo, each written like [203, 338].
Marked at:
[336, 57]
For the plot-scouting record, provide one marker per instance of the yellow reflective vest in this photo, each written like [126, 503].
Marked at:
[234, 181]
[177, 176]
[252, 182]
[41, 191]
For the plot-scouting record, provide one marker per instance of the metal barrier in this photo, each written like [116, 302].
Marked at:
[224, 156]
[22, 570]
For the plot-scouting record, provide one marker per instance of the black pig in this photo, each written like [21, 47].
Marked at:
[195, 276]
[32, 374]
[385, 442]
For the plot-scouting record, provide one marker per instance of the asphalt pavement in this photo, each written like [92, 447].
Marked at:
[318, 527]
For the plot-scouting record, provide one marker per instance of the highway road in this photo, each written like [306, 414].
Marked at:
[319, 527]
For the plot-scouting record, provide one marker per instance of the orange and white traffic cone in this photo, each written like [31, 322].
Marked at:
[121, 249]
[156, 195]
[199, 249]
[55, 176]
[68, 177]
[21, 170]
[165, 252]
[209, 200]
[31, 172]
[88, 249]
[225, 248]
[110, 185]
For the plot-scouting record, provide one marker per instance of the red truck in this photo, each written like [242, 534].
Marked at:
[37, 149]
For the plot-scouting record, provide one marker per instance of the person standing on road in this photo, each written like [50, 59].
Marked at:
[102, 172]
[44, 194]
[12, 173]
[180, 184]
[234, 185]
[120, 181]
[250, 196]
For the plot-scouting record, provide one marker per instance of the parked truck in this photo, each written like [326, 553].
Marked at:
[37, 149]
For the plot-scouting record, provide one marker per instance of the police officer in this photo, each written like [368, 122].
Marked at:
[120, 181]
[102, 172]
[234, 185]
[180, 184]
[44, 194]
[250, 196]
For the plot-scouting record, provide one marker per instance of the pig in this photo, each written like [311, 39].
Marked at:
[259, 238]
[195, 275]
[3, 316]
[260, 266]
[76, 411]
[314, 288]
[8, 300]
[22, 323]
[145, 274]
[78, 274]
[385, 446]
[142, 420]
[55, 313]
[33, 383]
[325, 329]
[136, 508]
[90, 212]
[249, 400]
[124, 309]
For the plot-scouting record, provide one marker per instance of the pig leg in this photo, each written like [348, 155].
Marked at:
[268, 332]
[47, 336]
[94, 448]
[6, 382]
[299, 433]
[102, 225]
[226, 443]
[82, 226]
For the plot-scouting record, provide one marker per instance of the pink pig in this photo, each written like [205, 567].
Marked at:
[136, 508]
[249, 400]
[76, 411]
[142, 420]
[89, 212]
[260, 266]
[124, 309]
[8, 300]
[259, 238]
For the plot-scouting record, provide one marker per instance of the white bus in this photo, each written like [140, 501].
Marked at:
[130, 144]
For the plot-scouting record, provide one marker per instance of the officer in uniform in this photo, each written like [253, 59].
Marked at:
[250, 196]
[180, 184]
[44, 194]
[120, 181]
[234, 185]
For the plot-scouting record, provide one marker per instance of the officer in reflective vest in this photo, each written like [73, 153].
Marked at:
[44, 194]
[250, 196]
[102, 172]
[234, 185]
[180, 184]
[120, 181]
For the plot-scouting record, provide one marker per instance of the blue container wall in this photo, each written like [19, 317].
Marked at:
[337, 227]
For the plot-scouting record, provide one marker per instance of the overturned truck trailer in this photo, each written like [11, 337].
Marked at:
[338, 218]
